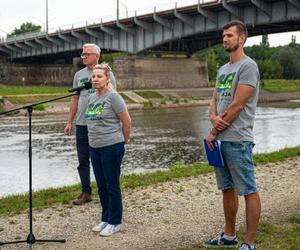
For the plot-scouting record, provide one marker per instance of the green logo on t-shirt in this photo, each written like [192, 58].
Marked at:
[94, 111]
[225, 82]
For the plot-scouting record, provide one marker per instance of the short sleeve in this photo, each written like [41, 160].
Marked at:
[249, 75]
[117, 102]
[75, 80]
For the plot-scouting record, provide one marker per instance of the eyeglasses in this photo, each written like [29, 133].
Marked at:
[87, 54]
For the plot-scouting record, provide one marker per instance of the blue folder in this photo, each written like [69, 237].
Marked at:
[214, 157]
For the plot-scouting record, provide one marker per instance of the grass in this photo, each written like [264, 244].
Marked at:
[276, 156]
[149, 94]
[40, 107]
[17, 203]
[126, 98]
[31, 99]
[281, 85]
[148, 104]
[274, 234]
[29, 90]
[289, 105]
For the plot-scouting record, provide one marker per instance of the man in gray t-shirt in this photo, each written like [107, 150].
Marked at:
[232, 110]
[90, 57]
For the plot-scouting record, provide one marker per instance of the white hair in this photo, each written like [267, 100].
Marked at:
[95, 47]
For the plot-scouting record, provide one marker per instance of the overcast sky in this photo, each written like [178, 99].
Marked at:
[65, 13]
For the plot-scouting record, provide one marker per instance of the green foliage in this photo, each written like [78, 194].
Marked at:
[288, 58]
[29, 90]
[149, 94]
[23, 99]
[25, 28]
[273, 62]
[126, 98]
[259, 52]
[148, 104]
[174, 172]
[282, 85]
[269, 69]
[44, 198]
[221, 56]
[40, 107]
[276, 156]
[212, 65]
[265, 41]
[109, 57]
[294, 218]
[275, 235]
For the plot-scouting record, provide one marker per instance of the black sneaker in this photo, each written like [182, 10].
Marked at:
[220, 241]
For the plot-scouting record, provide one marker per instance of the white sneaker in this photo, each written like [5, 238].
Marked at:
[110, 230]
[99, 227]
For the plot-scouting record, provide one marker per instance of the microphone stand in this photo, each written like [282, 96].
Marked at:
[31, 238]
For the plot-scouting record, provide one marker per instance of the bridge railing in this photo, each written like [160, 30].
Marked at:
[25, 36]
[109, 18]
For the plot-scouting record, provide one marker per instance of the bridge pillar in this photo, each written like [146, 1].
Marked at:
[154, 73]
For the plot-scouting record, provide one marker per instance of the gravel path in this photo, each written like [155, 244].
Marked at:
[162, 216]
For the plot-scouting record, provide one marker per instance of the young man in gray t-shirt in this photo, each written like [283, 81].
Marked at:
[232, 110]
[90, 57]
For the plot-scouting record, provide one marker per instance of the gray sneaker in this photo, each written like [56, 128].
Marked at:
[99, 227]
[110, 230]
[246, 246]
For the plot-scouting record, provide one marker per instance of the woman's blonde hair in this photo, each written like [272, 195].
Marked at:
[107, 69]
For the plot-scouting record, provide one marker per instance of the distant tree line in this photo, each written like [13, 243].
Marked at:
[282, 62]
[25, 28]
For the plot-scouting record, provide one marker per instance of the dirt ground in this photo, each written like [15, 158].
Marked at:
[163, 216]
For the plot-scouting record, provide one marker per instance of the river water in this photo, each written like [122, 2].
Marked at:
[159, 138]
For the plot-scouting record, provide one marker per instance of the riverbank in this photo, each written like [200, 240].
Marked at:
[166, 215]
[169, 98]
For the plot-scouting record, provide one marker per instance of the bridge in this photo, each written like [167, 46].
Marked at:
[185, 29]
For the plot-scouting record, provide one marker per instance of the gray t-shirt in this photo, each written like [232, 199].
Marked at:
[82, 76]
[104, 126]
[244, 71]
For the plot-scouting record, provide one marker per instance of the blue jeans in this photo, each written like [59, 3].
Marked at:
[82, 144]
[238, 170]
[106, 163]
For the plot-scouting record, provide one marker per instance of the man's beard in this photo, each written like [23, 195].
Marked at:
[232, 49]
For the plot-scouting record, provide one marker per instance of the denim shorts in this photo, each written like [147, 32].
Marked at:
[238, 170]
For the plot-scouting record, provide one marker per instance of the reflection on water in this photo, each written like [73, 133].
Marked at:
[159, 138]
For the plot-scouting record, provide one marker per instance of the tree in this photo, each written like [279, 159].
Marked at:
[212, 65]
[269, 69]
[25, 28]
[288, 58]
[293, 43]
[265, 41]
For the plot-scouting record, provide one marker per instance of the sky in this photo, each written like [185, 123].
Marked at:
[68, 13]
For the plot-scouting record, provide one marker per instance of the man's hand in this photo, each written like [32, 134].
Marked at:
[68, 129]
[218, 122]
[209, 138]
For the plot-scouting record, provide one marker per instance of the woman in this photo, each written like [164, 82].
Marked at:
[109, 128]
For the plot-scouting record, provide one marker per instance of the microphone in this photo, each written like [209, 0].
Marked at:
[86, 85]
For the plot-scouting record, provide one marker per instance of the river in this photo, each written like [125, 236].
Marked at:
[159, 138]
